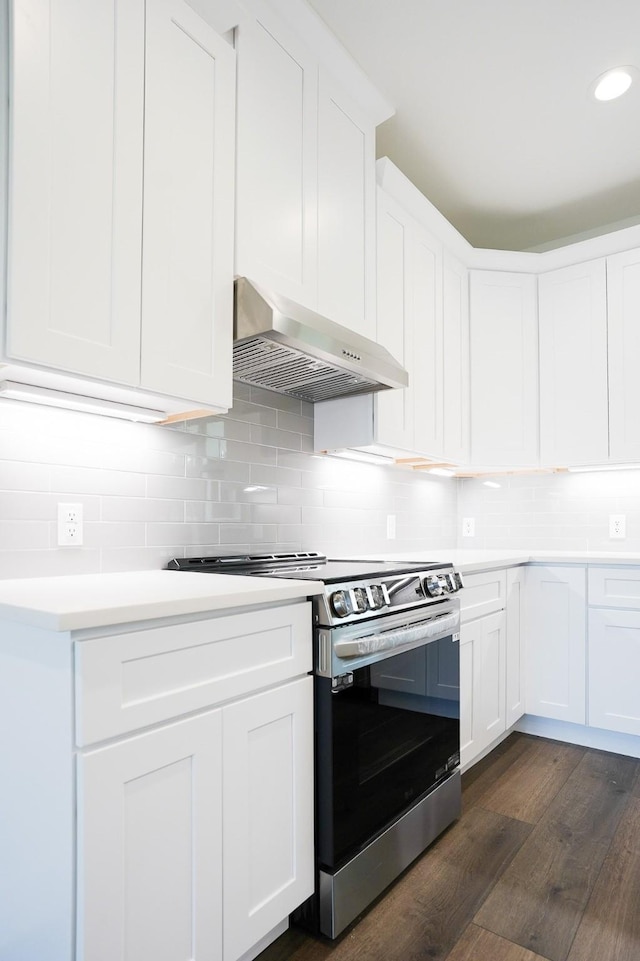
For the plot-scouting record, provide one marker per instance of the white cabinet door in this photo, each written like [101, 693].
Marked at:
[410, 327]
[276, 224]
[482, 684]
[515, 660]
[425, 367]
[76, 186]
[555, 643]
[394, 412]
[573, 365]
[614, 668]
[504, 369]
[149, 846]
[455, 391]
[346, 210]
[268, 811]
[187, 265]
[623, 296]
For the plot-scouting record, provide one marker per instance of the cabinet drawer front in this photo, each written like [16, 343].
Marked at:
[483, 593]
[132, 680]
[614, 587]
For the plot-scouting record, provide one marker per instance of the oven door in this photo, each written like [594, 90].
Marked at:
[387, 734]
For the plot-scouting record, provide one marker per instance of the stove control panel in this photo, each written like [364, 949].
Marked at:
[436, 585]
[395, 593]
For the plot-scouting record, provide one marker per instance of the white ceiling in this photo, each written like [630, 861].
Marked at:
[494, 122]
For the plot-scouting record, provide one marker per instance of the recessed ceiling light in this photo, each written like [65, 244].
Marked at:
[613, 83]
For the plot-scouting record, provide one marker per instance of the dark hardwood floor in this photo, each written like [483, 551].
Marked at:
[543, 864]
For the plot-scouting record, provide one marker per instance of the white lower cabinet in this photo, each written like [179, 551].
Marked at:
[556, 641]
[180, 828]
[267, 779]
[492, 663]
[175, 822]
[515, 646]
[482, 689]
[614, 669]
[614, 649]
[150, 845]
[482, 663]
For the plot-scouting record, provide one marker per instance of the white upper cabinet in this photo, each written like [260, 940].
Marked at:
[423, 321]
[455, 392]
[623, 293]
[504, 369]
[75, 186]
[305, 168]
[187, 297]
[276, 166]
[410, 327]
[395, 413]
[573, 365]
[346, 210]
[122, 124]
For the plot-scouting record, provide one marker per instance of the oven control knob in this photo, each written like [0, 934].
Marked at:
[433, 586]
[361, 601]
[377, 597]
[341, 603]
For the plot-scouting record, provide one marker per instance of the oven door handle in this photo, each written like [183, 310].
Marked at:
[397, 639]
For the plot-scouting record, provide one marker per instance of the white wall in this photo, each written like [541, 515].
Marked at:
[247, 480]
[561, 511]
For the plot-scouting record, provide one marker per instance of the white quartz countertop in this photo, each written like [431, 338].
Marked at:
[96, 600]
[482, 560]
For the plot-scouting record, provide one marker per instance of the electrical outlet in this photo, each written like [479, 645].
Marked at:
[618, 526]
[69, 525]
[468, 527]
[391, 527]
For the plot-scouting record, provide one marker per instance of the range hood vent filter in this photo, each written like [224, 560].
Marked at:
[288, 348]
[266, 363]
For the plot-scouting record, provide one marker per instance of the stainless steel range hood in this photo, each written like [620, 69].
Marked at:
[290, 349]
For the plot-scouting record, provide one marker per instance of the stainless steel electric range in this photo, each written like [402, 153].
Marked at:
[387, 709]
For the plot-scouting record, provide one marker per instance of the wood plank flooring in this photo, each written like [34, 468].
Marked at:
[543, 865]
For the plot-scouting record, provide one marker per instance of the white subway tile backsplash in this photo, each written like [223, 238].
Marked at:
[216, 469]
[50, 562]
[278, 476]
[31, 506]
[187, 535]
[248, 493]
[268, 398]
[141, 509]
[113, 534]
[208, 512]
[118, 559]
[24, 477]
[183, 488]
[274, 438]
[221, 428]
[300, 496]
[249, 534]
[295, 422]
[248, 413]
[253, 453]
[77, 480]
[24, 535]
[274, 514]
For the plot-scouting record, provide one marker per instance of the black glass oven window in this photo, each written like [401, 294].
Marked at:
[383, 744]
